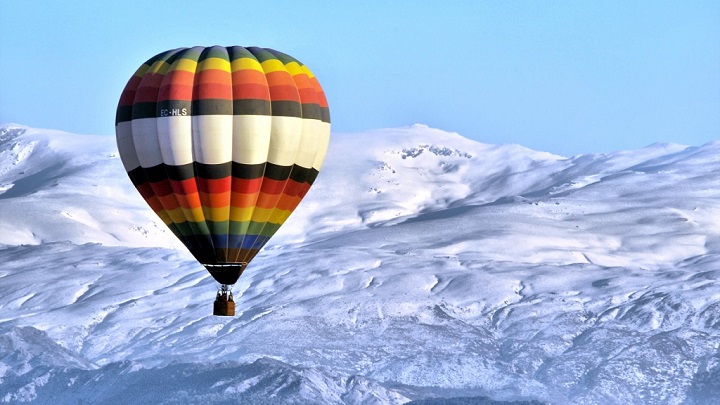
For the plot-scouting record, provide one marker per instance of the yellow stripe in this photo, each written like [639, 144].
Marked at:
[241, 214]
[307, 71]
[194, 214]
[246, 63]
[217, 214]
[185, 64]
[273, 65]
[159, 67]
[164, 217]
[272, 215]
[141, 70]
[294, 68]
[261, 214]
[279, 216]
[214, 63]
[177, 215]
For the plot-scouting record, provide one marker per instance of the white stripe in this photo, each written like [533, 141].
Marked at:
[323, 143]
[175, 137]
[308, 148]
[144, 132]
[126, 146]
[284, 140]
[212, 138]
[251, 138]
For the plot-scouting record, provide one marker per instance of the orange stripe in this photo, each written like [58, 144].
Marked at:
[169, 202]
[154, 203]
[215, 200]
[241, 200]
[249, 76]
[189, 201]
[288, 202]
[267, 201]
[279, 78]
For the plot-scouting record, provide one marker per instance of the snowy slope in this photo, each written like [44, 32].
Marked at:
[421, 265]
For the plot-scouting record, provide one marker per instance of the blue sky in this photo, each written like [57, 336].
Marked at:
[561, 76]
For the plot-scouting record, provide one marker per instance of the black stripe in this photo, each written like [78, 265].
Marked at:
[212, 106]
[311, 111]
[251, 107]
[180, 173]
[156, 173]
[143, 110]
[248, 172]
[325, 114]
[302, 174]
[214, 171]
[286, 109]
[276, 172]
[162, 171]
[137, 176]
[123, 114]
[312, 176]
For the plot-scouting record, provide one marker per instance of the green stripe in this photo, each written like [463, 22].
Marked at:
[214, 52]
[238, 52]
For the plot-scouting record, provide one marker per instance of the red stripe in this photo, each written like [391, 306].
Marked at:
[250, 91]
[148, 88]
[246, 186]
[284, 93]
[222, 91]
[128, 95]
[308, 95]
[293, 188]
[186, 187]
[162, 188]
[270, 186]
[145, 190]
[303, 190]
[178, 85]
[320, 93]
[212, 186]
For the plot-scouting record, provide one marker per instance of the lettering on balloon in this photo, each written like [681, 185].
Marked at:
[173, 112]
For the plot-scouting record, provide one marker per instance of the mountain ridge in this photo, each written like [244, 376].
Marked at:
[421, 265]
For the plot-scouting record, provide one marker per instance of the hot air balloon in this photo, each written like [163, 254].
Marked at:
[223, 143]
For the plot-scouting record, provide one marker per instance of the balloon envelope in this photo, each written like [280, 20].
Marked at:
[223, 143]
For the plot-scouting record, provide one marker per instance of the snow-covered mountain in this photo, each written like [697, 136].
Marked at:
[422, 266]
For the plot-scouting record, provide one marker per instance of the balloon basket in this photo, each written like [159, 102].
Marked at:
[224, 308]
[224, 304]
